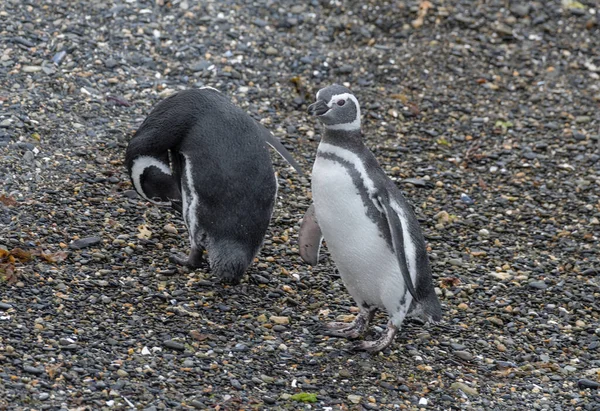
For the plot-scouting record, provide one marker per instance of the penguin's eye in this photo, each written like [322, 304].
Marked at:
[341, 102]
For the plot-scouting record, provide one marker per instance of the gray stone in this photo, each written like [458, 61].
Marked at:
[33, 370]
[200, 65]
[28, 157]
[110, 63]
[540, 285]
[464, 355]
[174, 345]
[85, 242]
[5, 306]
[520, 9]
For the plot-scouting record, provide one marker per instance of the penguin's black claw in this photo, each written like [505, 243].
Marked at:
[178, 259]
[184, 260]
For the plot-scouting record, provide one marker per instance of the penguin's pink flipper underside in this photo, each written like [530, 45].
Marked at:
[276, 144]
[310, 237]
[397, 234]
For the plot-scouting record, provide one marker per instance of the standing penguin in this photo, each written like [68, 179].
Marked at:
[208, 159]
[371, 231]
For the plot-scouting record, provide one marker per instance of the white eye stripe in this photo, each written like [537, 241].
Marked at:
[353, 125]
[140, 164]
[344, 96]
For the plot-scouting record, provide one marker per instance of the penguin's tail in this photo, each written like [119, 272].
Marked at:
[427, 310]
[229, 259]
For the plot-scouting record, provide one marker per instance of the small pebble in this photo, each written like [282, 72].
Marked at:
[464, 355]
[85, 243]
[466, 199]
[174, 345]
[585, 383]
[540, 285]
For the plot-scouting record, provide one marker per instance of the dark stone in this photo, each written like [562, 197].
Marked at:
[346, 69]
[33, 370]
[174, 345]
[236, 384]
[585, 383]
[85, 243]
[269, 400]
[540, 285]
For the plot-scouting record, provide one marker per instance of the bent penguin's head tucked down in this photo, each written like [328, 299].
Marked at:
[337, 108]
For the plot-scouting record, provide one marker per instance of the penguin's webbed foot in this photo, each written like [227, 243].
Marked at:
[380, 344]
[344, 330]
[194, 260]
[349, 330]
[179, 258]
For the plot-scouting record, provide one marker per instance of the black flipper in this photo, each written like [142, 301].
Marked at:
[395, 225]
[271, 140]
[310, 237]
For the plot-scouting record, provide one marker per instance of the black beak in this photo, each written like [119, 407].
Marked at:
[319, 108]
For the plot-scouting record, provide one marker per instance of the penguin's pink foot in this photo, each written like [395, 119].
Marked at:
[350, 330]
[383, 342]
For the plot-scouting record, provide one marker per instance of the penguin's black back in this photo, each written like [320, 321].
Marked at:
[231, 168]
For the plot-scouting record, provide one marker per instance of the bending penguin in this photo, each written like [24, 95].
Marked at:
[372, 233]
[208, 159]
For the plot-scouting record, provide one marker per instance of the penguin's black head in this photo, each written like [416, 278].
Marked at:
[337, 108]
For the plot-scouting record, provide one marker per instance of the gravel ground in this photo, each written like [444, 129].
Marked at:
[486, 113]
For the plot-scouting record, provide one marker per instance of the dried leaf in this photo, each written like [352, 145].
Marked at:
[424, 7]
[482, 184]
[448, 282]
[197, 335]
[20, 254]
[401, 97]
[414, 109]
[8, 201]
[52, 370]
[8, 273]
[57, 257]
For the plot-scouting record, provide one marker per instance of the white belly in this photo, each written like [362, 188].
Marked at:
[368, 267]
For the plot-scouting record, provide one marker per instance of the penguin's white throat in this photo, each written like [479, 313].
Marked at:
[352, 126]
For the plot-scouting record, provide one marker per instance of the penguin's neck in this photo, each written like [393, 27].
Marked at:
[348, 139]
